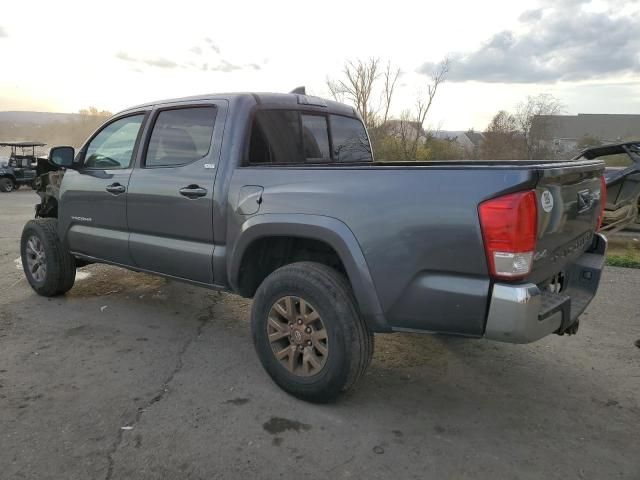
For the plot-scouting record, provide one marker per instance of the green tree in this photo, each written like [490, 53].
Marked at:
[503, 140]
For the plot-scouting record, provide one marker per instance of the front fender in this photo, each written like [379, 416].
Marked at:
[317, 227]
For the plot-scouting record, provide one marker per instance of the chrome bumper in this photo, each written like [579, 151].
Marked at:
[523, 313]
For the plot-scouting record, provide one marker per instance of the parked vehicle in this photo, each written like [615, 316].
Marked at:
[21, 167]
[276, 197]
[623, 183]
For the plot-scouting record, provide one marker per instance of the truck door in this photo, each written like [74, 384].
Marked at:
[170, 199]
[92, 208]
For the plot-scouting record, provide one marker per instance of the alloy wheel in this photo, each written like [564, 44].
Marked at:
[36, 259]
[297, 336]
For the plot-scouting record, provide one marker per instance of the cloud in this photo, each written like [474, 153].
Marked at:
[152, 62]
[559, 43]
[212, 45]
[3, 32]
[125, 56]
[531, 15]
[220, 65]
[196, 59]
[160, 63]
[224, 66]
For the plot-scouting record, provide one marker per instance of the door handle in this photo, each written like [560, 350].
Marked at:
[193, 191]
[115, 188]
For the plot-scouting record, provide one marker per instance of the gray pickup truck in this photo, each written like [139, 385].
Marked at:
[276, 197]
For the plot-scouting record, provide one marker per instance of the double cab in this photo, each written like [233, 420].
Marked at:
[277, 197]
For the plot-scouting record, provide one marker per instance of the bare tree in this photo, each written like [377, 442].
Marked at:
[407, 130]
[357, 87]
[335, 90]
[368, 88]
[530, 122]
[423, 105]
[371, 90]
[390, 78]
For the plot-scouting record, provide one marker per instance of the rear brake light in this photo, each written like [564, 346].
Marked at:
[603, 200]
[509, 228]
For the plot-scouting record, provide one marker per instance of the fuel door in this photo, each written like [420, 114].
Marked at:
[250, 199]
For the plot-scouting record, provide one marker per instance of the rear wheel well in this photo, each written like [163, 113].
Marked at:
[267, 254]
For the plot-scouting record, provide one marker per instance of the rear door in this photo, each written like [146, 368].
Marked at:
[93, 198]
[170, 200]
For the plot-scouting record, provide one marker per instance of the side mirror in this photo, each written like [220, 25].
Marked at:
[62, 156]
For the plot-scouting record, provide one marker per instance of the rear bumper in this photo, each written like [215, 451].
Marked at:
[523, 313]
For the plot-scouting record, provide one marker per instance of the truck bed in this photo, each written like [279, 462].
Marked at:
[418, 225]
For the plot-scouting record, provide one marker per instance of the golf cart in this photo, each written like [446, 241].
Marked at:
[20, 168]
[622, 175]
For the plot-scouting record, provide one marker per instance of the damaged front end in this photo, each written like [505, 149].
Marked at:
[47, 186]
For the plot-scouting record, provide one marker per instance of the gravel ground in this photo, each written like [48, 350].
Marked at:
[131, 376]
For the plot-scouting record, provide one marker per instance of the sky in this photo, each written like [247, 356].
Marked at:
[63, 56]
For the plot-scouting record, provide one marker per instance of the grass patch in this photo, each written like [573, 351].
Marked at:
[627, 261]
[623, 253]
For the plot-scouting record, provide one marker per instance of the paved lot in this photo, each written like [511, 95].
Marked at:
[175, 367]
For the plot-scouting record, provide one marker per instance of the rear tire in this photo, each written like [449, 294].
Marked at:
[49, 267]
[308, 333]
[6, 185]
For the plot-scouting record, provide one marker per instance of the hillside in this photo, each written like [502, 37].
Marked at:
[35, 118]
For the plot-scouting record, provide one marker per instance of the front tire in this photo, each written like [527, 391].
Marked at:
[6, 185]
[49, 267]
[308, 333]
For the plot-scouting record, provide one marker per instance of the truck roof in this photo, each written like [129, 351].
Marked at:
[270, 99]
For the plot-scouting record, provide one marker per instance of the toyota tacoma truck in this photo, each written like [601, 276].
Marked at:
[277, 197]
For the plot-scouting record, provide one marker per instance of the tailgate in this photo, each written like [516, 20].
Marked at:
[568, 209]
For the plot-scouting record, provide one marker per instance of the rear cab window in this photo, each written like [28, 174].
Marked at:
[280, 137]
[350, 140]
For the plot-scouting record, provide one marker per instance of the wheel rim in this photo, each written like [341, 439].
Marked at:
[297, 336]
[36, 259]
[9, 186]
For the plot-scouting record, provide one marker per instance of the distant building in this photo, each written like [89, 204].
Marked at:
[470, 140]
[404, 128]
[565, 133]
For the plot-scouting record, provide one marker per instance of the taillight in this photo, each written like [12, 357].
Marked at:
[603, 200]
[509, 228]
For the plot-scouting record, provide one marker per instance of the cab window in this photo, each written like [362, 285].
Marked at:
[315, 138]
[113, 146]
[350, 140]
[301, 138]
[180, 136]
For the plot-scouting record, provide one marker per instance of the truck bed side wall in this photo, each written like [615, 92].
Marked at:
[418, 230]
